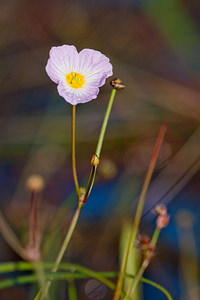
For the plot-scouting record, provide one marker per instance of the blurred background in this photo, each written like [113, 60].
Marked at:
[154, 47]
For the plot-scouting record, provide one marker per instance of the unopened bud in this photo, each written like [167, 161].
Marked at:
[117, 84]
[162, 221]
[143, 242]
[94, 160]
[35, 183]
[148, 250]
[160, 210]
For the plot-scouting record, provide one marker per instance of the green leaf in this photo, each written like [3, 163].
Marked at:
[133, 259]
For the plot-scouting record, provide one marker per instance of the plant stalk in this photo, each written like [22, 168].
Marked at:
[140, 206]
[33, 221]
[143, 266]
[11, 238]
[73, 149]
[100, 143]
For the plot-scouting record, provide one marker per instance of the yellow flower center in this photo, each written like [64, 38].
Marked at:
[75, 80]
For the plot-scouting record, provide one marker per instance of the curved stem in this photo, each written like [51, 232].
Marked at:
[73, 149]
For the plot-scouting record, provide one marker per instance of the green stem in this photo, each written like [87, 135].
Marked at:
[100, 143]
[40, 275]
[135, 282]
[143, 267]
[67, 238]
[140, 206]
[63, 248]
[73, 149]
[155, 236]
[105, 122]
[72, 294]
[83, 273]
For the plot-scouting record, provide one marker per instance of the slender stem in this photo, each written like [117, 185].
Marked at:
[73, 149]
[143, 266]
[33, 220]
[91, 181]
[32, 250]
[155, 236]
[67, 238]
[72, 294]
[105, 122]
[10, 237]
[140, 206]
[40, 275]
[63, 247]
[100, 143]
[136, 281]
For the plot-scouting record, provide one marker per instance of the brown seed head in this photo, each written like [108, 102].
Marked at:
[35, 183]
[117, 84]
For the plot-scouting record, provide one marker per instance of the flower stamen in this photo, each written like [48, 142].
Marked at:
[75, 80]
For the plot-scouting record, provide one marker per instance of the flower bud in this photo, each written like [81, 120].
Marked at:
[162, 221]
[163, 217]
[160, 210]
[94, 160]
[35, 183]
[143, 242]
[117, 84]
[147, 248]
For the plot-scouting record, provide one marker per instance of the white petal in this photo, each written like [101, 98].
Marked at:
[63, 60]
[95, 66]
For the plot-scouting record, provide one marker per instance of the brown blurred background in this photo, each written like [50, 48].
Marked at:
[154, 47]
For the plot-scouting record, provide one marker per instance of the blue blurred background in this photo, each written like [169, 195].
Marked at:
[154, 47]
